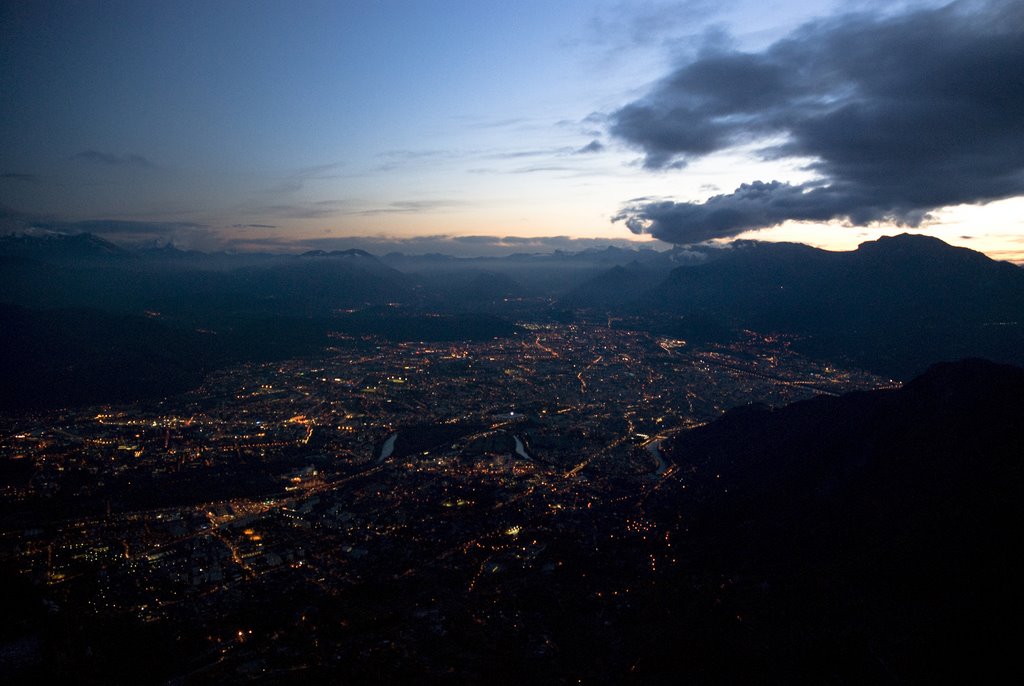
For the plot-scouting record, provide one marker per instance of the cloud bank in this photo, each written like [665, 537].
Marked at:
[898, 115]
[183, 234]
[454, 245]
[18, 176]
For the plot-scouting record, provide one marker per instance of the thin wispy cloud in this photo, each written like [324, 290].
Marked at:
[634, 24]
[534, 169]
[409, 207]
[294, 210]
[185, 234]
[454, 245]
[539, 152]
[591, 147]
[107, 227]
[112, 160]
[471, 122]
[414, 154]
[17, 176]
[397, 159]
[297, 180]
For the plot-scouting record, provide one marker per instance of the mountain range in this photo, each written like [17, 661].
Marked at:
[892, 306]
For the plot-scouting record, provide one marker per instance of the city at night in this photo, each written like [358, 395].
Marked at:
[490, 343]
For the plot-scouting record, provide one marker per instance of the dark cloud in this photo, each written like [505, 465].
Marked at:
[593, 146]
[254, 226]
[111, 160]
[15, 176]
[751, 206]
[898, 115]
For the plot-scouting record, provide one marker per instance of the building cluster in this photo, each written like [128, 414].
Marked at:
[435, 479]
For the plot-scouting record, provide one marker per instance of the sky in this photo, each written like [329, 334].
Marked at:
[488, 126]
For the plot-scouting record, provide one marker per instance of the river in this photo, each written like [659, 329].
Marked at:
[387, 448]
[654, 448]
[520, 449]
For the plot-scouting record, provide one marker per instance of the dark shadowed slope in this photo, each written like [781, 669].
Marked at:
[76, 356]
[68, 357]
[872, 537]
[621, 285]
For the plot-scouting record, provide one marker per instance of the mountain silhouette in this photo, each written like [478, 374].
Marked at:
[894, 305]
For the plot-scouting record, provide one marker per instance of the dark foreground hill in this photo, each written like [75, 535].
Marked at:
[870, 538]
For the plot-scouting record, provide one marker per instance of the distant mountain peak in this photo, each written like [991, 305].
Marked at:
[909, 241]
[906, 238]
[921, 247]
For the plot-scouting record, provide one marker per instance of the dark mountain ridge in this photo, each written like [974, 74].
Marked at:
[894, 305]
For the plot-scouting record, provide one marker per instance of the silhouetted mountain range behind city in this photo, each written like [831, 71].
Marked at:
[892, 306]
